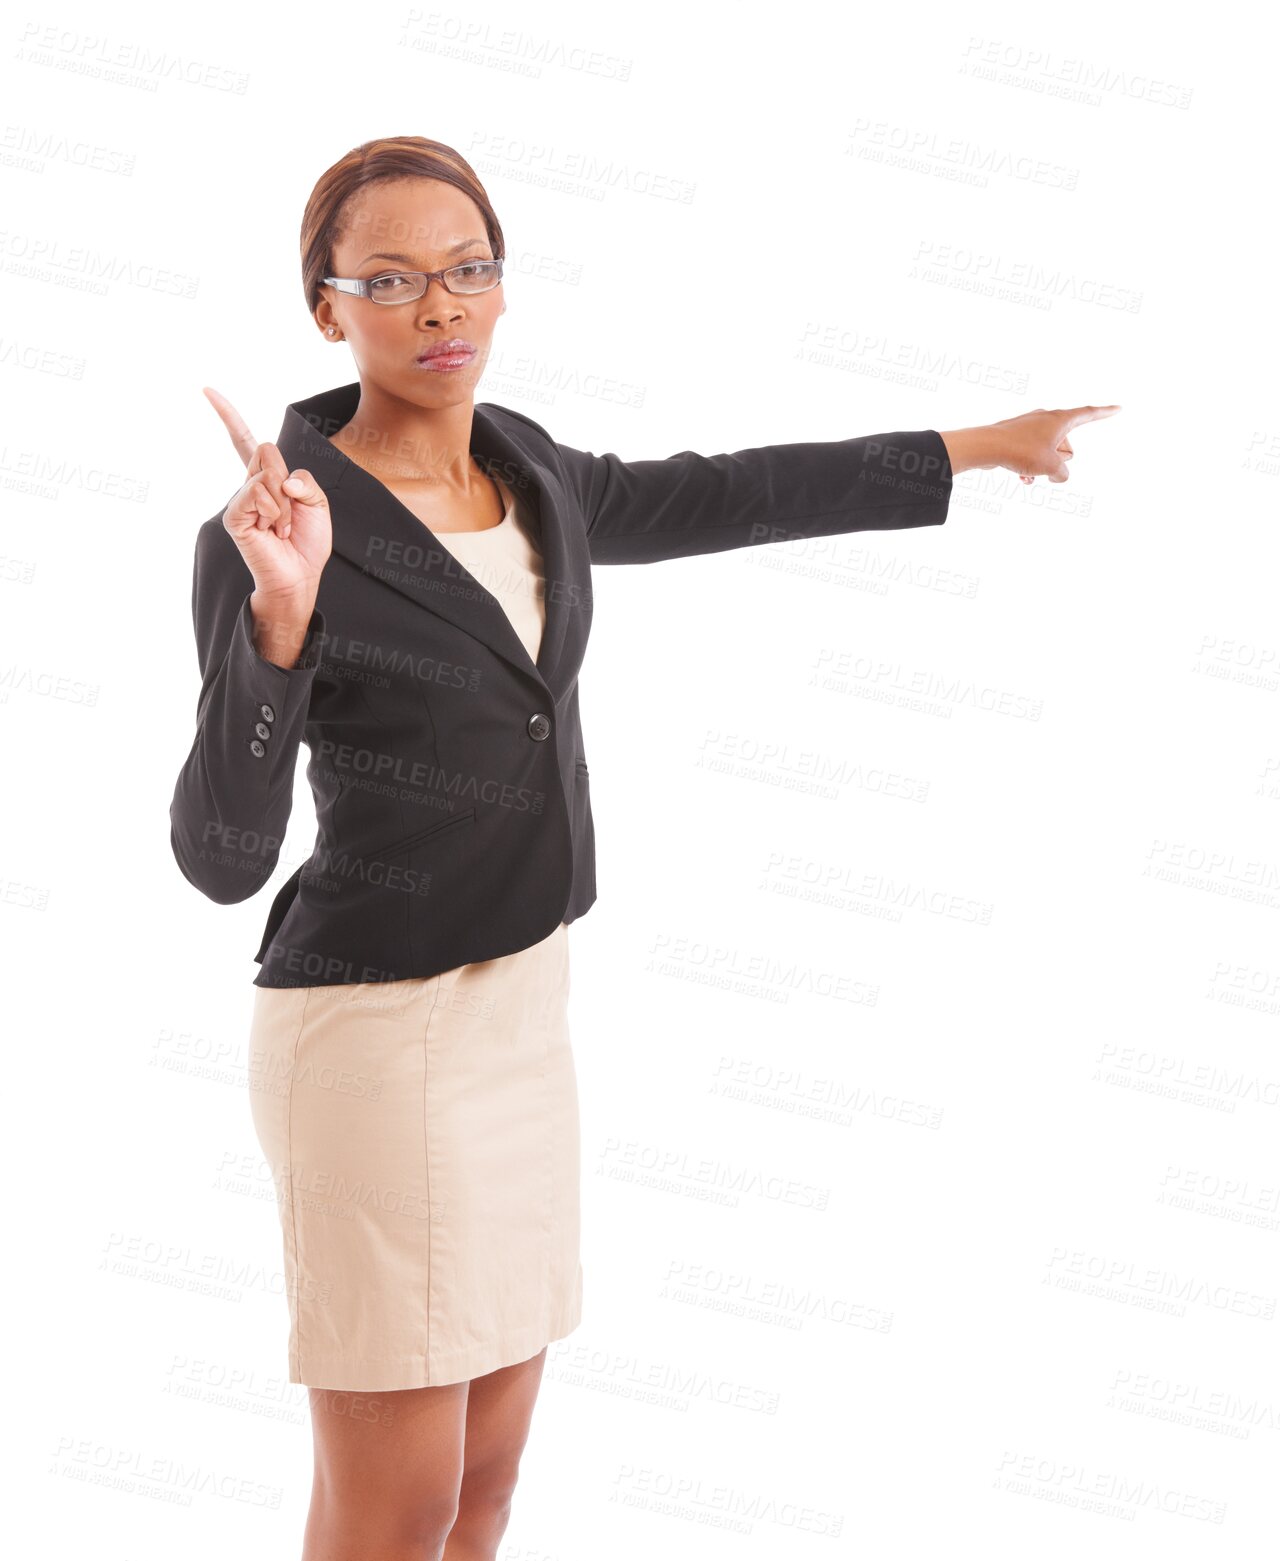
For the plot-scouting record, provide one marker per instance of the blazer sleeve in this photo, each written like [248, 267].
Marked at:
[234, 794]
[640, 512]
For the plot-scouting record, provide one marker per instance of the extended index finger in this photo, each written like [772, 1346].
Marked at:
[1078, 415]
[236, 426]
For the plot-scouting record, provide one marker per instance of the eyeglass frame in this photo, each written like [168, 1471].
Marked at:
[360, 285]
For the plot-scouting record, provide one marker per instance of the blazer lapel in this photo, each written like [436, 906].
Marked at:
[373, 530]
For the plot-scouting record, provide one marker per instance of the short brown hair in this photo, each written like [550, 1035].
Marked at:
[377, 162]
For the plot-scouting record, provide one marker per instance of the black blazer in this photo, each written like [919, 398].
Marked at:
[449, 772]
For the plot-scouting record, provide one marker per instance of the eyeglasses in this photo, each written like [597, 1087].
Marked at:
[402, 287]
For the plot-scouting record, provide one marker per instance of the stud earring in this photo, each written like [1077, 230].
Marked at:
[331, 330]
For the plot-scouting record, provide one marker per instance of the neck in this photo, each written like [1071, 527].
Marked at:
[394, 438]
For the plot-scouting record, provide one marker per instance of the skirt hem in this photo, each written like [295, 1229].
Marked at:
[355, 1375]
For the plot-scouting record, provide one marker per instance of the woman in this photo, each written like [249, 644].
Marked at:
[409, 593]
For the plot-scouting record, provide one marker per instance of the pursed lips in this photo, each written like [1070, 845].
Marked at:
[443, 349]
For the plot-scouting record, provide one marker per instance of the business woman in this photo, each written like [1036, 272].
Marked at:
[403, 583]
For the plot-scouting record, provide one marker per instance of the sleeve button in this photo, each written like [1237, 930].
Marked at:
[257, 748]
[262, 729]
[267, 713]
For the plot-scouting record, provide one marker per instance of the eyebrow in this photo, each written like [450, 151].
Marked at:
[408, 260]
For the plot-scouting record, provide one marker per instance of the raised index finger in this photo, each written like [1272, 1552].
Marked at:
[1079, 415]
[236, 426]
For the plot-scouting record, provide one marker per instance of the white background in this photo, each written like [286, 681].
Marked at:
[990, 1256]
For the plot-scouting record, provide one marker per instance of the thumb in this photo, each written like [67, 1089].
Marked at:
[301, 485]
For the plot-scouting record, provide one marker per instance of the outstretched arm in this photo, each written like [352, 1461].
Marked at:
[641, 512]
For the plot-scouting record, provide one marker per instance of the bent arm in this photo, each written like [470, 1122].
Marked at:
[640, 512]
[234, 794]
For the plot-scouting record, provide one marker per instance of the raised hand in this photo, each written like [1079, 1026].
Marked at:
[279, 520]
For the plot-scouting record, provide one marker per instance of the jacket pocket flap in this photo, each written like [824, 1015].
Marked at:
[391, 847]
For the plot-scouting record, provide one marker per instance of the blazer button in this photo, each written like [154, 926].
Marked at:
[267, 713]
[539, 727]
[262, 729]
[257, 748]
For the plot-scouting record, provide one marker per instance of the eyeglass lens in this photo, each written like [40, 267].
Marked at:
[475, 277]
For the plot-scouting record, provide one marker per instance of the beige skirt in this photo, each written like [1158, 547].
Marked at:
[423, 1138]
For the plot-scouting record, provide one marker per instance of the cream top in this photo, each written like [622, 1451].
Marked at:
[506, 560]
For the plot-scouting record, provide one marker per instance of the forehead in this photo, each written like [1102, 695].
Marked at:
[419, 217]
